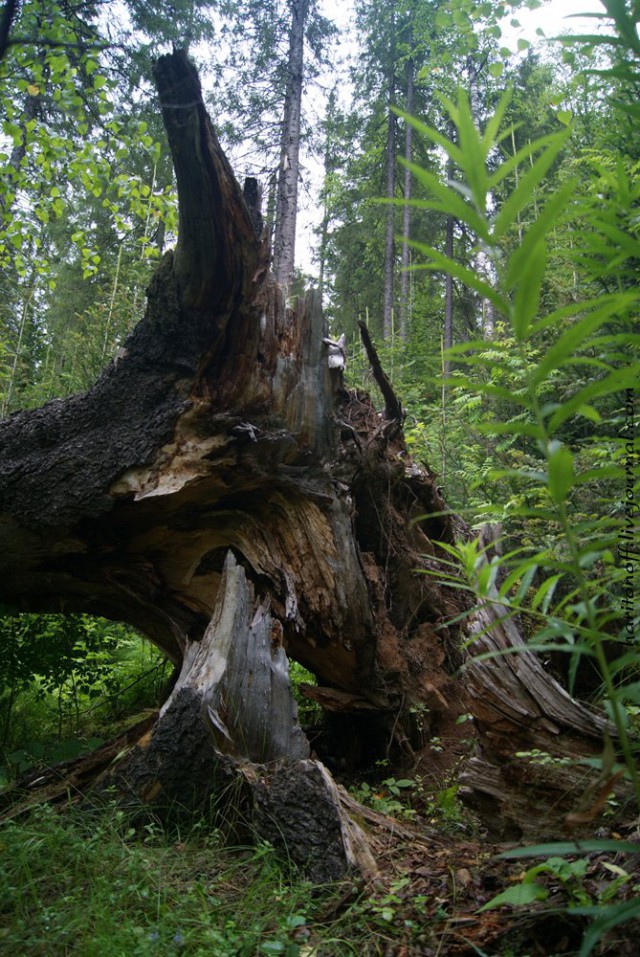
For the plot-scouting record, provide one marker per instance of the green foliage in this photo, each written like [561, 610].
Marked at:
[309, 711]
[570, 872]
[65, 681]
[388, 797]
[590, 334]
[95, 884]
[557, 367]
[86, 198]
[410, 799]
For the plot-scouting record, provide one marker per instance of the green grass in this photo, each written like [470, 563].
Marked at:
[42, 723]
[90, 885]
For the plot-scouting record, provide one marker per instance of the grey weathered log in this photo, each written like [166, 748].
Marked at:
[235, 682]
[240, 672]
[526, 775]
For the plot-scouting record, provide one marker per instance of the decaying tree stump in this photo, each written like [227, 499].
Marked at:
[222, 491]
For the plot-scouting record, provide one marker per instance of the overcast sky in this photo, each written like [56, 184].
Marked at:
[552, 18]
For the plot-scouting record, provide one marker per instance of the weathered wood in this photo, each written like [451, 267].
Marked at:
[235, 683]
[223, 429]
[240, 672]
[392, 407]
[68, 781]
[522, 780]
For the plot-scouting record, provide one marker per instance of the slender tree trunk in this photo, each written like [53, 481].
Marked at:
[448, 282]
[405, 286]
[329, 166]
[481, 264]
[390, 190]
[448, 290]
[389, 243]
[284, 243]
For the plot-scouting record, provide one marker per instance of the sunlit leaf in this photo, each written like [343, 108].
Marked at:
[517, 896]
[561, 472]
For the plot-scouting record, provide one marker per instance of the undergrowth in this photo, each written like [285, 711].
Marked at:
[90, 885]
[67, 684]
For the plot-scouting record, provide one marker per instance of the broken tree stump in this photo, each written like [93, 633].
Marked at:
[222, 491]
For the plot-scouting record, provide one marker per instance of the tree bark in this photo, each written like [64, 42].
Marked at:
[390, 189]
[405, 286]
[447, 339]
[221, 490]
[518, 779]
[329, 171]
[284, 243]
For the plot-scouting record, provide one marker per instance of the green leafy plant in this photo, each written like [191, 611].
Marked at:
[589, 334]
[559, 367]
[568, 872]
[388, 797]
[606, 911]
[89, 883]
[65, 681]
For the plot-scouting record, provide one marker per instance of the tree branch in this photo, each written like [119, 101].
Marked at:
[392, 407]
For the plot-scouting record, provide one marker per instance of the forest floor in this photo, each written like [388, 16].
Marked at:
[98, 884]
[429, 898]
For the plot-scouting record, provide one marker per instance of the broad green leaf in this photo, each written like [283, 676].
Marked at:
[633, 109]
[591, 38]
[628, 242]
[630, 692]
[466, 276]
[451, 201]
[608, 918]
[517, 896]
[523, 193]
[588, 846]
[544, 594]
[630, 660]
[474, 154]
[561, 471]
[599, 474]
[616, 303]
[527, 294]
[615, 382]
[546, 219]
[523, 573]
[523, 153]
[450, 148]
[561, 353]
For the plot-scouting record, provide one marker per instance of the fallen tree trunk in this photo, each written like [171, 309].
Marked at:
[525, 778]
[223, 448]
